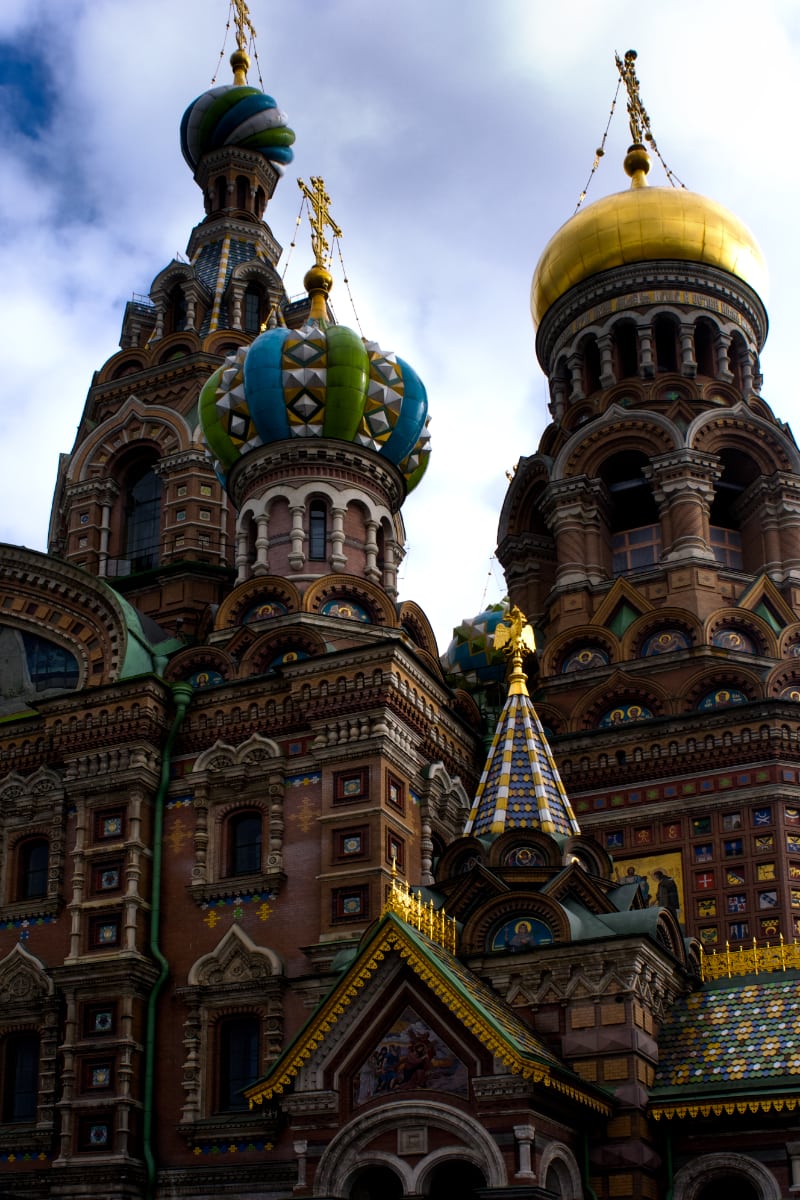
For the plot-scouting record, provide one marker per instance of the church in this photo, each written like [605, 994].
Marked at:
[291, 903]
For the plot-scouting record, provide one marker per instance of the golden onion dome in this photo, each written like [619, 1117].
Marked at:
[640, 225]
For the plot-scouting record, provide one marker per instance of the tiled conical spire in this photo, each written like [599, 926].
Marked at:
[520, 787]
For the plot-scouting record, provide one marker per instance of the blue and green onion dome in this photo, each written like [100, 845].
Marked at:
[319, 381]
[471, 659]
[236, 115]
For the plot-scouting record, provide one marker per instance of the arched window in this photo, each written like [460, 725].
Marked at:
[237, 1062]
[261, 202]
[456, 1178]
[244, 843]
[176, 310]
[20, 1077]
[377, 1183]
[143, 520]
[738, 472]
[704, 345]
[317, 530]
[221, 188]
[33, 859]
[242, 193]
[634, 525]
[252, 309]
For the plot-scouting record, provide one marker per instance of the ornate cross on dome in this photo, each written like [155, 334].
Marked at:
[319, 217]
[241, 17]
[637, 114]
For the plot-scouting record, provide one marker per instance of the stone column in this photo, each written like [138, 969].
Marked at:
[524, 1135]
[683, 486]
[575, 364]
[605, 344]
[570, 508]
[371, 569]
[261, 565]
[647, 367]
[724, 372]
[242, 563]
[338, 557]
[296, 555]
[688, 359]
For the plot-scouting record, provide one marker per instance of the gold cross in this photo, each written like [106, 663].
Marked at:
[241, 17]
[637, 114]
[319, 217]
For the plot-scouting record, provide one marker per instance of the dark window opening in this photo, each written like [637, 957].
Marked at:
[244, 846]
[626, 350]
[222, 192]
[21, 1077]
[242, 193]
[456, 1178]
[725, 1186]
[34, 856]
[666, 339]
[143, 521]
[317, 530]
[252, 309]
[238, 1061]
[177, 309]
[591, 365]
[378, 1183]
[704, 348]
[633, 517]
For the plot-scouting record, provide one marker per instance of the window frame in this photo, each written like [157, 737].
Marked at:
[13, 1045]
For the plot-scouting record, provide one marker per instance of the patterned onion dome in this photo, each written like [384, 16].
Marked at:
[470, 657]
[322, 380]
[236, 115]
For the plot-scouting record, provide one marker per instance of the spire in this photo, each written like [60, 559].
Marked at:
[520, 787]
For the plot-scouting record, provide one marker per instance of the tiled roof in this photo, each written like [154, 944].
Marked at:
[734, 1039]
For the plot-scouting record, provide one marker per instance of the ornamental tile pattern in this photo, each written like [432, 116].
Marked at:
[520, 787]
[731, 1036]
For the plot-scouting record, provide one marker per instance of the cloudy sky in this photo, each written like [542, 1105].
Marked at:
[454, 137]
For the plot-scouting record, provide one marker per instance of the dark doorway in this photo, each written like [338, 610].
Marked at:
[455, 1178]
[376, 1183]
[723, 1187]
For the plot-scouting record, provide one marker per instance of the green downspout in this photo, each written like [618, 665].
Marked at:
[182, 694]
[587, 1187]
[670, 1168]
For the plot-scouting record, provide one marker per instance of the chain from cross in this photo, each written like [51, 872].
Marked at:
[319, 217]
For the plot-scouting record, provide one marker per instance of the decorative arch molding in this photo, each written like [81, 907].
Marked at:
[618, 429]
[373, 598]
[350, 1149]
[461, 856]
[132, 426]
[651, 622]
[29, 1004]
[24, 983]
[479, 924]
[742, 429]
[690, 1179]
[233, 609]
[413, 619]
[750, 622]
[732, 675]
[187, 341]
[617, 690]
[235, 960]
[221, 755]
[117, 367]
[589, 854]
[555, 652]
[531, 475]
[257, 658]
[174, 272]
[556, 1154]
[200, 658]
[545, 846]
[223, 342]
[37, 592]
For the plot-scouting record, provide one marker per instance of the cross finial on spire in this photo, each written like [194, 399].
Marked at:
[637, 114]
[319, 217]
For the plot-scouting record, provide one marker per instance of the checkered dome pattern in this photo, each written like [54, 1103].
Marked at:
[318, 381]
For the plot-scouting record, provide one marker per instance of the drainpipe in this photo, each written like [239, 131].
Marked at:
[670, 1169]
[587, 1187]
[182, 694]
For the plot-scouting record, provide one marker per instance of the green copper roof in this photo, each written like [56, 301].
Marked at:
[471, 1001]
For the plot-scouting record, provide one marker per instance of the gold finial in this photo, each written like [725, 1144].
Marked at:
[514, 637]
[240, 59]
[319, 281]
[637, 160]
